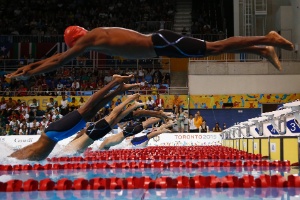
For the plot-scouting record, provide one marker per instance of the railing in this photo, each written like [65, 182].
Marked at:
[243, 57]
[8, 93]
[9, 65]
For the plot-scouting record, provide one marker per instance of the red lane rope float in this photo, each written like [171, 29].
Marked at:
[155, 164]
[163, 153]
[145, 182]
[167, 156]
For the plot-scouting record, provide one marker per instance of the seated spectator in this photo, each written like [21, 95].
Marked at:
[33, 127]
[133, 80]
[141, 73]
[13, 114]
[50, 104]
[24, 107]
[81, 102]
[76, 85]
[84, 86]
[3, 104]
[44, 122]
[67, 84]
[162, 89]
[34, 105]
[22, 91]
[59, 86]
[56, 116]
[44, 85]
[64, 105]
[14, 124]
[66, 72]
[217, 128]
[23, 130]
[18, 106]
[159, 102]
[8, 130]
[73, 105]
[157, 77]
[10, 105]
[154, 90]
[150, 103]
[166, 78]
[142, 82]
[40, 130]
[148, 78]
[204, 128]
[24, 115]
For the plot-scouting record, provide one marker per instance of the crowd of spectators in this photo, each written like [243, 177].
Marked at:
[83, 81]
[17, 118]
[208, 20]
[50, 17]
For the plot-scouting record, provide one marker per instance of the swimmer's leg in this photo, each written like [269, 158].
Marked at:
[100, 128]
[267, 52]
[96, 101]
[236, 43]
[112, 141]
[150, 113]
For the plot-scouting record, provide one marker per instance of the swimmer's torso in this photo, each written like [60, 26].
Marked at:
[126, 43]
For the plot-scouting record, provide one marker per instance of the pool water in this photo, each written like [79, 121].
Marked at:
[153, 173]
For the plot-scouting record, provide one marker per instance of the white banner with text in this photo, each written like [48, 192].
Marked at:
[186, 139]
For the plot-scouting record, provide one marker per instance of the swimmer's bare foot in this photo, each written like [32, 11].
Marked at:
[279, 41]
[121, 79]
[270, 54]
[126, 87]
[164, 130]
[165, 115]
[133, 96]
[167, 125]
[139, 104]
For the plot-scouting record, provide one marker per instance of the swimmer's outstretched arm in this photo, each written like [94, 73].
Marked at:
[49, 64]
[60, 59]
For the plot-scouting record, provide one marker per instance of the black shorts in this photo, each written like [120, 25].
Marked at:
[170, 44]
[98, 130]
[65, 127]
[133, 129]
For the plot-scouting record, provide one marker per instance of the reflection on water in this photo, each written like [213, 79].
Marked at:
[153, 194]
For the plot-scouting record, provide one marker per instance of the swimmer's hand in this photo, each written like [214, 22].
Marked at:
[23, 73]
